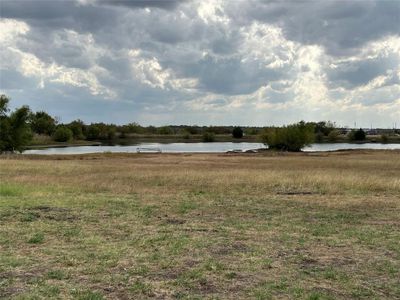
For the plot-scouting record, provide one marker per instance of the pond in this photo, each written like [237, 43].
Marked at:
[349, 146]
[216, 147]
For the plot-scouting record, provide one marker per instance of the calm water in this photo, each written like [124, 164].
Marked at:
[202, 147]
[348, 146]
[167, 148]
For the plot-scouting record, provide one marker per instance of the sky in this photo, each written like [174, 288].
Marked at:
[248, 63]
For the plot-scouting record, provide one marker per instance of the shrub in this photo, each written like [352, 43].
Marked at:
[324, 127]
[93, 132]
[319, 136]
[43, 123]
[77, 128]
[111, 133]
[100, 131]
[186, 135]
[133, 128]
[252, 131]
[62, 134]
[289, 138]
[15, 132]
[165, 130]
[37, 238]
[357, 135]
[384, 138]
[333, 135]
[208, 137]
[193, 129]
[237, 132]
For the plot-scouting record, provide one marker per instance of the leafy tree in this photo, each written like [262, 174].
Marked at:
[151, 129]
[193, 129]
[131, 128]
[165, 130]
[100, 131]
[208, 137]
[219, 129]
[15, 132]
[111, 133]
[77, 127]
[289, 138]
[237, 133]
[43, 123]
[357, 135]
[93, 132]
[333, 135]
[185, 134]
[4, 105]
[323, 127]
[252, 131]
[62, 134]
[319, 136]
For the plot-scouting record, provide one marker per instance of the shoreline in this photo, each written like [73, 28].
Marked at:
[265, 153]
[133, 142]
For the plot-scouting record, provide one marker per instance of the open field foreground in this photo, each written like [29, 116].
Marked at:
[201, 226]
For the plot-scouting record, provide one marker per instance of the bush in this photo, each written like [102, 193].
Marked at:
[319, 136]
[252, 131]
[186, 135]
[77, 128]
[324, 127]
[93, 132]
[62, 134]
[237, 132]
[333, 135]
[43, 123]
[289, 138]
[165, 130]
[100, 131]
[15, 132]
[111, 133]
[208, 137]
[384, 138]
[357, 135]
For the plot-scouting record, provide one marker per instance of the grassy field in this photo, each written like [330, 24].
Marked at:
[201, 226]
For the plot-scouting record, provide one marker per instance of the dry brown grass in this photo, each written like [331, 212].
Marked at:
[318, 226]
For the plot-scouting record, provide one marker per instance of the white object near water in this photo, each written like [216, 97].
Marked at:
[148, 150]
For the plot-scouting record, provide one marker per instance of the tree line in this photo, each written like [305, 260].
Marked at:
[17, 129]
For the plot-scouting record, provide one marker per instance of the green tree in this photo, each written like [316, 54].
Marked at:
[208, 137]
[15, 132]
[384, 138]
[165, 130]
[357, 135]
[77, 128]
[131, 128]
[289, 138]
[62, 134]
[319, 136]
[324, 127]
[237, 132]
[93, 132]
[43, 123]
[4, 105]
[333, 135]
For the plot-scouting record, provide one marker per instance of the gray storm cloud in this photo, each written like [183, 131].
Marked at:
[204, 62]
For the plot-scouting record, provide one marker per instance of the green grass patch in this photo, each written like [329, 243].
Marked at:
[37, 238]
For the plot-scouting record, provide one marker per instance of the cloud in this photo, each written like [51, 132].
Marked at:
[254, 62]
[164, 4]
[342, 28]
